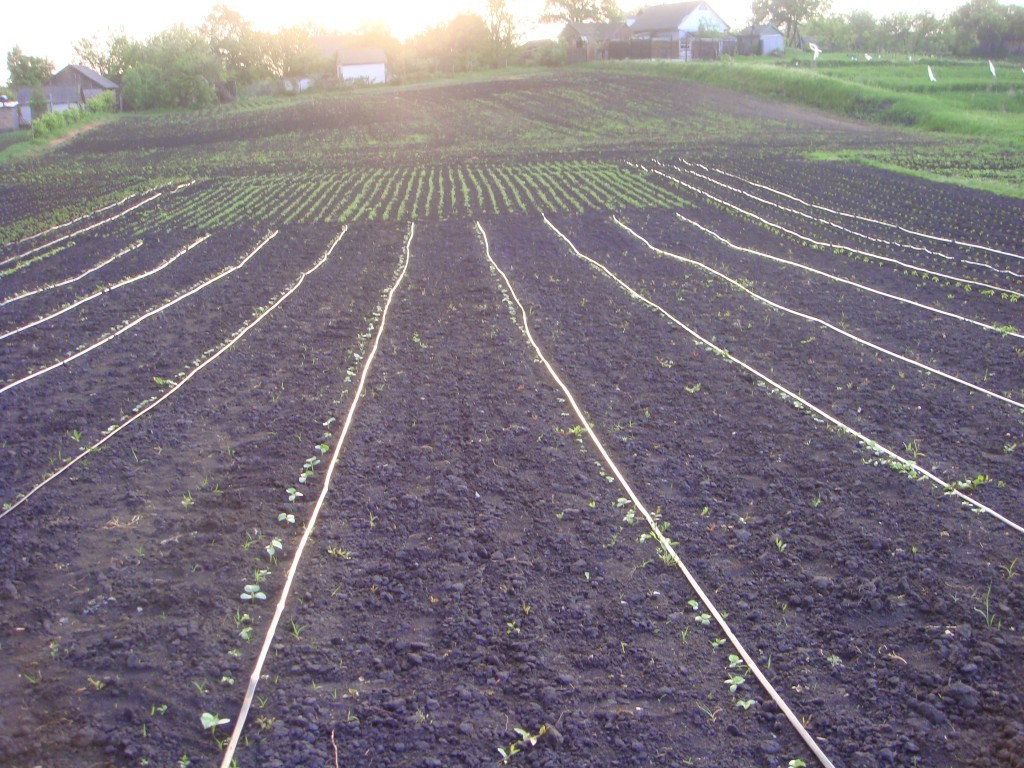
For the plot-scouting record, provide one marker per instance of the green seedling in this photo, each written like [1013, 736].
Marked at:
[797, 763]
[834, 661]
[210, 722]
[260, 575]
[293, 494]
[75, 435]
[98, 685]
[297, 629]
[201, 685]
[717, 642]
[704, 619]
[734, 682]
[969, 484]
[187, 500]
[780, 544]
[274, 546]
[745, 703]
[246, 634]
[253, 592]
[285, 517]
[323, 448]
[158, 710]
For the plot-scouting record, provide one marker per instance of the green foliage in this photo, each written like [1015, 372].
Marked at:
[27, 70]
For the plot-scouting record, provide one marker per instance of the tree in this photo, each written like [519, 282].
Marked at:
[112, 60]
[27, 71]
[502, 27]
[789, 14]
[580, 11]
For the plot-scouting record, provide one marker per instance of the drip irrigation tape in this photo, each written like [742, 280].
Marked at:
[121, 284]
[873, 445]
[662, 540]
[869, 220]
[61, 239]
[174, 387]
[823, 323]
[254, 678]
[855, 252]
[151, 313]
[70, 280]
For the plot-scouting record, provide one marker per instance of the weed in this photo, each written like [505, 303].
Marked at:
[338, 552]
[780, 544]
[297, 629]
[187, 500]
[98, 685]
[985, 610]
[707, 710]
[1009, 571]
[202, 686]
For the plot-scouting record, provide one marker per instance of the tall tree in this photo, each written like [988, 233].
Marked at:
[580, 11]
[110, 59]
[789, 14]
[27, 70]
[502, 27]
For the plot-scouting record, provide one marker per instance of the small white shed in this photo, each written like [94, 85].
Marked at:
[362, 65]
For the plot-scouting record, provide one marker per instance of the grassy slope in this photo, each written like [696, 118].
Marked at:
[974, 120]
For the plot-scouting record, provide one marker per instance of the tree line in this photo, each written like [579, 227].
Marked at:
[186, 66]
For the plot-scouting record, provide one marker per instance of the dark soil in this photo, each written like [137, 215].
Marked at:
[475, 569]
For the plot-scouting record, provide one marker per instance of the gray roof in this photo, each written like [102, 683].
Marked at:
[593, 31]
[657, 18]
[92, 74]
[354, 56]
[760, 30]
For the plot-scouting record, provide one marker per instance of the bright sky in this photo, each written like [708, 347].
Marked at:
[51, 30]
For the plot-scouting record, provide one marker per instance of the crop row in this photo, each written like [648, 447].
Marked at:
[417, 193]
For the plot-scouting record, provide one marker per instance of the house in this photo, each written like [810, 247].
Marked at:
[762, 40]
[71, 87]
[682, 31]
[86, 82]
[8, 115]
[365, 65]
[589, 41]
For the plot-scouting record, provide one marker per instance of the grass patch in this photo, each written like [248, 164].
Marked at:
[975, 119]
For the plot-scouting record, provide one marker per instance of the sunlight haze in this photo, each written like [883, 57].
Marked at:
[39, 32]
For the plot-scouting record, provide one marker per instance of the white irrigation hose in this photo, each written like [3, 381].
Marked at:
[875, 446]
[823, 323]
[140, 318]
[86, 299]
[861, 235]
[890, 225]
[80, 218]
[126, 211]
[847, 281]
[257, 671]
[174, 387]
[662, 540]
[70, 280]
[854, 251]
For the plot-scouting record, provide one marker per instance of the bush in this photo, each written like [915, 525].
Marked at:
[105, 102]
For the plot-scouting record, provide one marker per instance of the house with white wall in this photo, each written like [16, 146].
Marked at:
[362, 65]
[681, 31]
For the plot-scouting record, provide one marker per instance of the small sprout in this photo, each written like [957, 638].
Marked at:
[227, 680]
[797, 763]
[735, 661]
[693, 604]
[210, 722]
[293, 494]
[285, 517]
[252, 592]
[718, 642]
[274, 546]
[704, 619]
[246, 633]
[187, 500]
[834, 661]
[323, 448]
[734, 682]
[745, 703]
